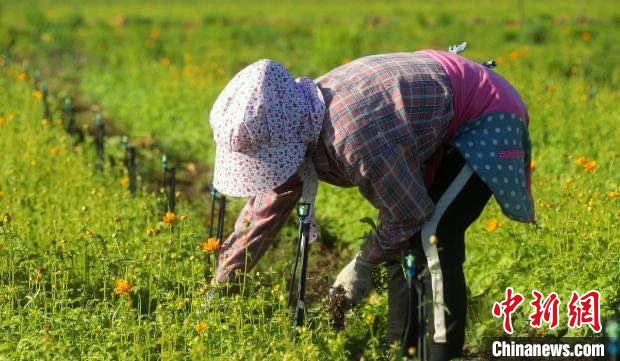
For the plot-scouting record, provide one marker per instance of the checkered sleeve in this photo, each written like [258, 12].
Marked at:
[394, 184]
[256, 227]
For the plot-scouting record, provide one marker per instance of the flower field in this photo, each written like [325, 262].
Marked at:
[88, 271]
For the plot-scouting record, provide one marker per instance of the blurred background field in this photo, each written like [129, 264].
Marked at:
[154, 69]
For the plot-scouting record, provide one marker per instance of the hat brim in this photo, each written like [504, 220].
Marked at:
[243, 175]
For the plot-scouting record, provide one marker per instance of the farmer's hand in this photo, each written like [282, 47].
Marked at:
[355, 280]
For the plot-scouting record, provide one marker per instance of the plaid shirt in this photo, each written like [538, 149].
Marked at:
[386, 116]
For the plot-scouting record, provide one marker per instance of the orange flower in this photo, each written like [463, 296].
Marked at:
[55, 150]
[123, 287]
[586, 36]
[591, 166]
[90, 233]
[519, 53]
[45, 122]
[37, 94]
[582, 160]
[533, 165]
[211, 245]
[125, 181]
[155, 33]
[346, 61]
[587, 164]
[612, 194]
[201, 326]
[493, 225]
[2, 194]
[170, 218]
[1, 121]
[22, 75]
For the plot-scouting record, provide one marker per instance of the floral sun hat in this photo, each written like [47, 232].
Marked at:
[263, 122]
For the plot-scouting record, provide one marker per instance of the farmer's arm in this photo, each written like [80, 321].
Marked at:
[255, 229]
[395, 186]
[393, 182]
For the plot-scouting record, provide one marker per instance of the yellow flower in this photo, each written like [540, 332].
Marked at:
[590, 205]
[55, 150]
[170, 218]
[533, 165]
[201, 326]
[22, 75]
[123, 287]
[433, 239]
[124, 181]
[165, 61]
[612, 194]
[2, 194]
[346, 61]
[45, 122]
[152, 232]
[47, 37]
[586, 36]
[1, 121]
[493, 225]
[90, 233]
[116, 219]
[211, 245]
[582, 160]
[412, 351]
[181, 304]
[6, 218]
[37, 94]
[370, 318]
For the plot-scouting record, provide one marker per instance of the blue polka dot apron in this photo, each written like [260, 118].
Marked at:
[497, 147]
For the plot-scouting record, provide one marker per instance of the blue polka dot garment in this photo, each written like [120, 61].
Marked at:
[497, 146]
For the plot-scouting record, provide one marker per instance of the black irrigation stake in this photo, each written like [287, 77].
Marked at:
[171, 189]
[99, 140]
[37, 79]
[303, 209]
[164, 167]
[46, 107]
[131, 167]
[69, 116]
[220, 218]
[125, 143]
[213, 197]
[221, 214]
[413, 288]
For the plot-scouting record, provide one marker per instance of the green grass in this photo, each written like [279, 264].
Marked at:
[156, 69]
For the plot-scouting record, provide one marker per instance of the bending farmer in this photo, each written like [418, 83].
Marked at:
[427, 137]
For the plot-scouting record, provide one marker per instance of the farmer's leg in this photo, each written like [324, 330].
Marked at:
[397, 295]
[456, 209]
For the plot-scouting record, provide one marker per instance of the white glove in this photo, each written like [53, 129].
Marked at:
[355, 280]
